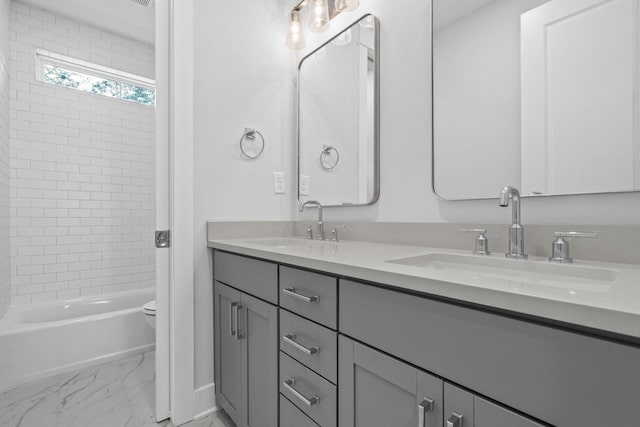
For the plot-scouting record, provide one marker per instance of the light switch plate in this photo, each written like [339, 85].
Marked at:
[304, 185]
[279, 186]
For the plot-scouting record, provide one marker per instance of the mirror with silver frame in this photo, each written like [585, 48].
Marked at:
[338, 134]
[543, 95]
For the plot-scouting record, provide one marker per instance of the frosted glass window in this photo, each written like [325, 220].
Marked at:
[81, 75]
[138, 94]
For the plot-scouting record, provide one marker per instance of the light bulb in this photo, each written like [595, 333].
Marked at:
[295, 33]
[319, 17]
[351, 5]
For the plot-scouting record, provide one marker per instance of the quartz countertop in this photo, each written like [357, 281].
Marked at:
[610, 307]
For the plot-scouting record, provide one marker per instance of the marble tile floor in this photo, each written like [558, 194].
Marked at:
[120, 393]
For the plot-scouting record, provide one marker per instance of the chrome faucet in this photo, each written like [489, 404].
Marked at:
[320, 223]
[516, 231]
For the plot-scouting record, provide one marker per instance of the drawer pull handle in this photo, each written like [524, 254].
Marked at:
[425, 406]
[455, 420]
[291, 340]
[237, 332]
[292, 292]
[288, 384]
[233, 318]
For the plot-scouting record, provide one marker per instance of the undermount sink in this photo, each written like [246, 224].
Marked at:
[530, 272]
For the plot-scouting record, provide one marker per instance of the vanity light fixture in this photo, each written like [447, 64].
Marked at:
[295, 34]
[319, 18]
[347, 5]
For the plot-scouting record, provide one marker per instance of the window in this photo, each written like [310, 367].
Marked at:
[87, 77]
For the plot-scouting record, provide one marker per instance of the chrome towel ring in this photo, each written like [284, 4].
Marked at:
[329, 157]
[250, 146]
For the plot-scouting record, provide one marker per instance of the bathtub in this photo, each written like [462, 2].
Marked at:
[44, 339]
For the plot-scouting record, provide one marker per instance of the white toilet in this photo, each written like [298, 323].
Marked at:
[149, 310]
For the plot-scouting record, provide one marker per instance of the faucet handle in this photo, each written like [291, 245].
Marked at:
[482, 242]
[309, 235]
[589, 234]
[560, 247]
[334, 232]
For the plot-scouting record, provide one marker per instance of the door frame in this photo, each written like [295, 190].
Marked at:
[175, 363]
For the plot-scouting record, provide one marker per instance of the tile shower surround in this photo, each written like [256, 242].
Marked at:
[82, 168]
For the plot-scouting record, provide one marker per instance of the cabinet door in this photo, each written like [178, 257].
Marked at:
[458, 407]
[259, 330]
[465, 409]
[228, 351]
[379, 391]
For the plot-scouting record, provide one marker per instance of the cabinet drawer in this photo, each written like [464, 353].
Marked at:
[290, 416]
[312, 295]
[548, 373]
[257, 278]
[314, 346]
[308, 387]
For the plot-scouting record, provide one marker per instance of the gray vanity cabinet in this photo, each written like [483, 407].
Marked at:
[379, 391]
[246, 340]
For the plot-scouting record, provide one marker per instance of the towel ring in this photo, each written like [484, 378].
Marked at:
[249, 136]
[329, 161]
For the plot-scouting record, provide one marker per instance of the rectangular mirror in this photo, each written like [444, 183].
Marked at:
[542, 95]
[338, 119]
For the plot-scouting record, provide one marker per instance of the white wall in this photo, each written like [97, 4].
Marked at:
[243, 78]
[5, 250]
[82, 168]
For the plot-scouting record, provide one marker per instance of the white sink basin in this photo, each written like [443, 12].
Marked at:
[521, 272]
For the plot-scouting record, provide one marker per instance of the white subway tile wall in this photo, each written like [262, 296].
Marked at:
[82, 167]
[5, 249]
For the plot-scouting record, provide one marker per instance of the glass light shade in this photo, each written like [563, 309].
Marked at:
[341, 5]
[343, 39]
[295, 33]
[351, 5]
[319, 16]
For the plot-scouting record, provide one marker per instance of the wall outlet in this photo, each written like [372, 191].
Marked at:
[304, 185]
[279, 186]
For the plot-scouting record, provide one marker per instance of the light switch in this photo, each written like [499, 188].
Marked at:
[279, 186]
[304, 185]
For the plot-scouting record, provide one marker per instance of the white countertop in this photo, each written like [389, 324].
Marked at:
[610, 306]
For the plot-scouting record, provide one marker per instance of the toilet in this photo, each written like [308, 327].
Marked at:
[149, 310]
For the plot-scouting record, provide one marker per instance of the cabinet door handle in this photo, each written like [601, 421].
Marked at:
[423, 407]
[288, 384]
[233, 318]
[455, 420]
[291, 340]
[238, 308]
[292, 292]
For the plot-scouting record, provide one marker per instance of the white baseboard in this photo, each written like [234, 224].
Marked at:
[205, 400]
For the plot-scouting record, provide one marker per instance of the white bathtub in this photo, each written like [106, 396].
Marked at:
[40, 340]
